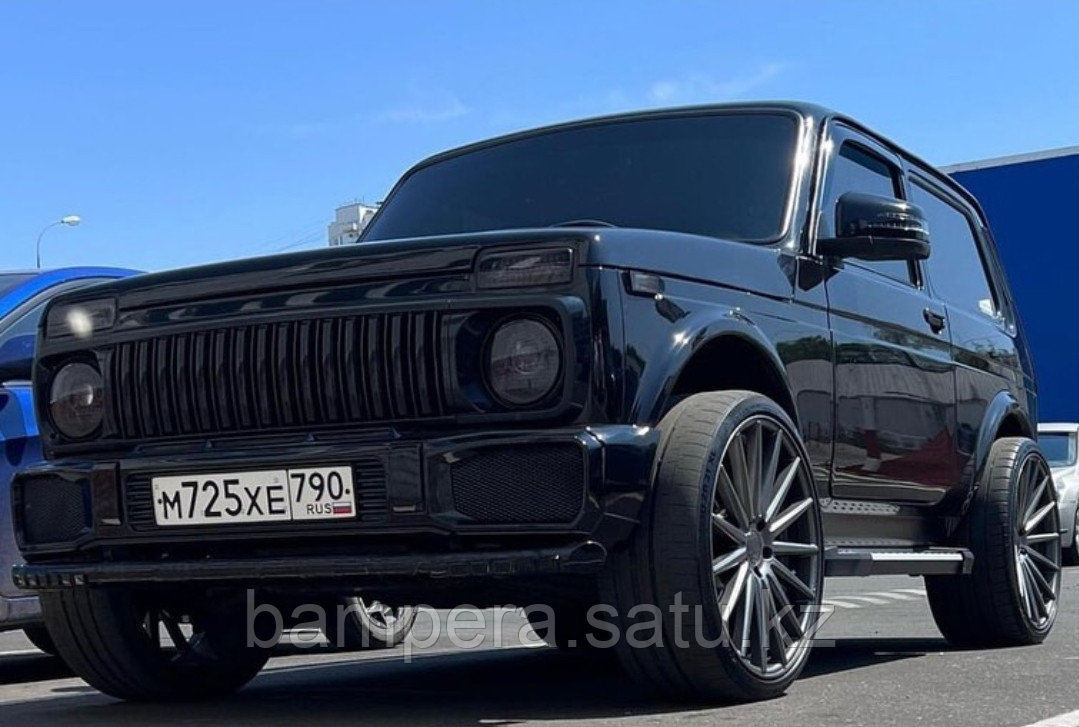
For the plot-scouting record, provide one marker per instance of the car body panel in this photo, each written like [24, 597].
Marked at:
[1066, 480]
[642, 313]
[19, 434]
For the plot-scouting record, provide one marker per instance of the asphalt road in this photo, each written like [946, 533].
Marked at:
[887, 666]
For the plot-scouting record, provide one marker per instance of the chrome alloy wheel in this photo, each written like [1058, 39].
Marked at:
[382, 621]
[766, 548]
[1037, 545]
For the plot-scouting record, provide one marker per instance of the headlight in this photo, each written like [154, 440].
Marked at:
[524, 362]
[77, 400]
[80, 319]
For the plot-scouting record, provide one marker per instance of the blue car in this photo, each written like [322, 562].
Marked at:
[23, 296]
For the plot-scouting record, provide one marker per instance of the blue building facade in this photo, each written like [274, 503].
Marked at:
[1032, 202]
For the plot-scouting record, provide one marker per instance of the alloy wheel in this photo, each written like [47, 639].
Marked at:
[189, 643]
[766, 548]
[381, 619]
[1037, 546]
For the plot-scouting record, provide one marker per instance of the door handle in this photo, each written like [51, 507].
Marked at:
[936, 321]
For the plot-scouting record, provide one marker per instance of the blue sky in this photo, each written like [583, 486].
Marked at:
[185, 132]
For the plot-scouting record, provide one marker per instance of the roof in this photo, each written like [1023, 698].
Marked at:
[1034, 156]
[802, 108]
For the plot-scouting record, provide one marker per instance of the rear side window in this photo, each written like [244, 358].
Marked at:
[955, 263]
[854, 169]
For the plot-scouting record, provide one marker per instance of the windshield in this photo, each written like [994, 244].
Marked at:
[1058, 447]
[8, 281]
[722, 175]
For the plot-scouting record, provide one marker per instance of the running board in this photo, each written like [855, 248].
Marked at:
[849, 561]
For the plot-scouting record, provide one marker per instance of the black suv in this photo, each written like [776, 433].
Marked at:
[662, 372]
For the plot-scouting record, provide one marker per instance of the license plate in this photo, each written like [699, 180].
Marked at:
[318, 493]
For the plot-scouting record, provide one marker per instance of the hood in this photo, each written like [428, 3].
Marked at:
[429, 257]
[662, 252]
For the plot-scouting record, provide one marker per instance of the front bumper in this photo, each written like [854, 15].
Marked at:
[432, 508]
[575, 559]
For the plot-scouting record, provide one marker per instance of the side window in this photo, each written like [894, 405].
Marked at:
[25, 325]
[955, 263]
[855, 169]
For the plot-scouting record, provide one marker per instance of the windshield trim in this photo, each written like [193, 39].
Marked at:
[794, 186]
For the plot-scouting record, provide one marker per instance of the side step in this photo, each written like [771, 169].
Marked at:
[852, 561]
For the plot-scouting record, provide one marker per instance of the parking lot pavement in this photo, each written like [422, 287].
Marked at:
[882, 663]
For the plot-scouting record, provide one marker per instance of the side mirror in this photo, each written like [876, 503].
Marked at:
[17, 358]
[869, 227]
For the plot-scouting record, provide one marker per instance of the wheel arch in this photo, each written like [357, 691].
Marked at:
[1004, 417]
[735, 357]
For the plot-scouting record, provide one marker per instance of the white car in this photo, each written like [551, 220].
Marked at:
[1060, 443]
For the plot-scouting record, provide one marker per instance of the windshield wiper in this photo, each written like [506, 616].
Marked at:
[584, 223]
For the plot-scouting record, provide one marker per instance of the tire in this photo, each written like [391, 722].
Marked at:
[111, 638]
[39, 637]
[1071, 553]
[368, 625]
[1010, 598]
[731, 532]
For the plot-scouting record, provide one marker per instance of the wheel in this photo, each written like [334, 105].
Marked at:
[1071, 553]
[368, 624]
[1010, 597]
[144, 647]
[39, 637]
[718, 593]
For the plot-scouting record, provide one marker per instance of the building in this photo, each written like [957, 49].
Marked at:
[349, 221]
[1029, 200]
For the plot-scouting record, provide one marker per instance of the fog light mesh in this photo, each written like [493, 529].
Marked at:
[520, 484]
[53, 510]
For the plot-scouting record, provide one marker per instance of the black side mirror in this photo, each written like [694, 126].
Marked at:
[17, 358]
[869, 227]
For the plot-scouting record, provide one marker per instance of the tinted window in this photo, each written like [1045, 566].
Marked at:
[25, 325]
[725, 175]
[856, 170]
[9, 281]
[955, 263]
[1058, 448]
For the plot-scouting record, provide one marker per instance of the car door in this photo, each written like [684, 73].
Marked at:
[963, 273]
[894, 382]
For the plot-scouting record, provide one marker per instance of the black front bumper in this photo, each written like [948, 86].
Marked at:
[576, 559]
[477, 505]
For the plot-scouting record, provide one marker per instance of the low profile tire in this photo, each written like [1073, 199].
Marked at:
[39, 637]
[1071, 553]
[1010, 598]
[112, 638]
[731, 538]
[368, 624]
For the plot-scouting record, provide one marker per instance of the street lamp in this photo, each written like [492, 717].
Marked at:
[69, 220]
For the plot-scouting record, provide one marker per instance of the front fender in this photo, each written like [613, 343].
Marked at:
[688, 336]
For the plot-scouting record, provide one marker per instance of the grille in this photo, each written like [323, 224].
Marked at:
[53, 510]
[290, 375]
[533, 484]
[369, 478]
